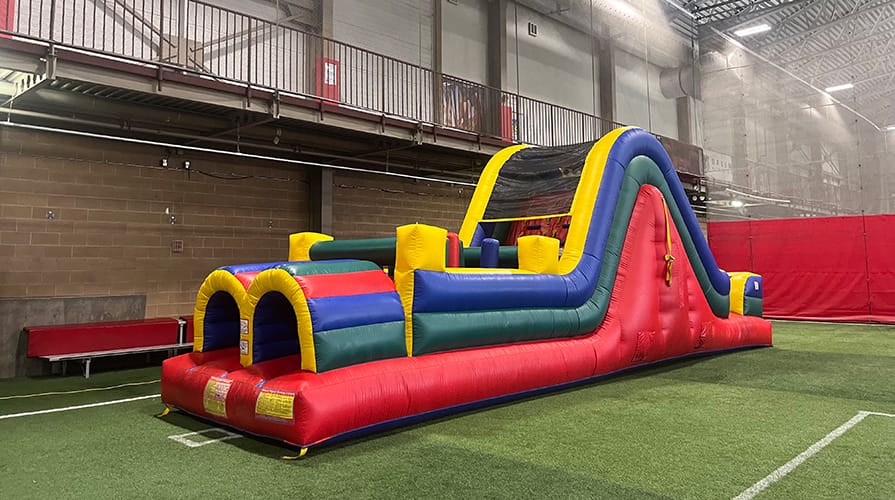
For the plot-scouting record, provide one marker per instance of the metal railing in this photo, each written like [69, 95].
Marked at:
[226, 44]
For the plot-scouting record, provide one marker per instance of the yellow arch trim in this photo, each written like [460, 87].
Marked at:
[218, 281]
[278, 280]
[483, 190]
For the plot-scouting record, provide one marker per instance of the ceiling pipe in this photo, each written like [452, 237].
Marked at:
[195, 138]
[230, 153]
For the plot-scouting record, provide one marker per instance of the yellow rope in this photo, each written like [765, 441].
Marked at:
[528, 217]
[669, 258]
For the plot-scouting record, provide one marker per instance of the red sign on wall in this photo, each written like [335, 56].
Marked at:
[7, 16]
[328, 78]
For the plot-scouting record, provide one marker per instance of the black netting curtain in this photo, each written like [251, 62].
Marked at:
[537, 182]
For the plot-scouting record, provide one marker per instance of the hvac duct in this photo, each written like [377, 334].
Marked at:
[680, 82]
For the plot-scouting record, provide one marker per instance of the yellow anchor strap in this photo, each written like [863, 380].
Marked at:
[669, 258]
[301, 454]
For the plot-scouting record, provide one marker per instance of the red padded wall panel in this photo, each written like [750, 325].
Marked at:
[815, 268]
[881, 266]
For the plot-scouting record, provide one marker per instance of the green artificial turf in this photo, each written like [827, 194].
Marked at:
[703, 428]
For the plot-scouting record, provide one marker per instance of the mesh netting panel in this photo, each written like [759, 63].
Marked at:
[538, 182]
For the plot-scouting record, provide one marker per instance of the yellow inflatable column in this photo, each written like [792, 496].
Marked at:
[738, 291]
[418, 247]
[539, 254]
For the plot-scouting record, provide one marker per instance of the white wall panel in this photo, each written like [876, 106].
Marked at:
[639, 100]
[465, 39]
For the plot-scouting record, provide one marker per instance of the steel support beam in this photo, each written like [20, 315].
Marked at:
[684, 120]
[812, 30]
[320, 200]
[740, 21]
[606, 62]
[496, 65]
[438, 62]
[497, 43]
[837, 48]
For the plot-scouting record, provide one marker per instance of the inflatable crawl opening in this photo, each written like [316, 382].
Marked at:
[275, 328]
[221, 323]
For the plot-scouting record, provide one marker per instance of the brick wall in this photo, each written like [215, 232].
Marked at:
[107, 253]
[111, 234]
[369, 206]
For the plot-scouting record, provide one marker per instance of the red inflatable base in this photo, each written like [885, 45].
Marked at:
[648, 321]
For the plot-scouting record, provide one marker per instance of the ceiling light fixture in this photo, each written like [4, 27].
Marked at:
[836, 88]
[753, 30]
[736, 203]
[890, 127]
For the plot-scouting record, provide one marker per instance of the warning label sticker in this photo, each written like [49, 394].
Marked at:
[215, 398]
[275, 405]
[244, 326]
[244, 347]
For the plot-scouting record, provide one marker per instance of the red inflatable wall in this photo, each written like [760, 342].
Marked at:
[830, 268]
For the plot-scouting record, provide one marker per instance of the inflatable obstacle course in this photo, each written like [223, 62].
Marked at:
[571, 263]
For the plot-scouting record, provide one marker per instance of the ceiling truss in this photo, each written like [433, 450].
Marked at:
[823, 42]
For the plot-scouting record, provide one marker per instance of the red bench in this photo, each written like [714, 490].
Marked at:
[86, 341]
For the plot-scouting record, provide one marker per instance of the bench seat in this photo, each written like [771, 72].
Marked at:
[85, 341]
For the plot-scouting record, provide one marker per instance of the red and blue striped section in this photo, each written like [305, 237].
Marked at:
[356, 317]
[351, 299]
[246, 273]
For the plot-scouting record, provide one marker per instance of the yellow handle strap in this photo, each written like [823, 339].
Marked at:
[669, 259]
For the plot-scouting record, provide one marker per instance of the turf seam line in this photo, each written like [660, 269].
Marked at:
[77, 407]
[788, 467]
[78, 391]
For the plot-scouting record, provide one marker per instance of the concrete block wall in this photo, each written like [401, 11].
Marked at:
[107, 252]
[368, 206]
[111, 235]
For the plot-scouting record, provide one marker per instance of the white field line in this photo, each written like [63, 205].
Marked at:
[879, 414]
[77, 407]
[184, 438]
[788, 467]
[77, 391]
